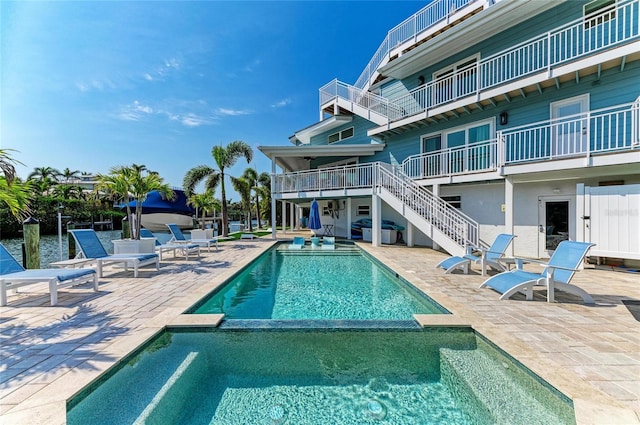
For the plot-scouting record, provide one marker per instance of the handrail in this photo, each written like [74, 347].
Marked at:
[427, 17]
[459, 227]
[595, 132]
[542, 53]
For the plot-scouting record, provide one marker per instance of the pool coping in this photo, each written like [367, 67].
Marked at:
[590, 405]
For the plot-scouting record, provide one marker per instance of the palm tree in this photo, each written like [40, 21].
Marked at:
[263, 188]
[7, 165]
[243, 187]
[224, 157]
[204, 202]
[45, 178]
[16, 197]
[123, 182]
[69, 174]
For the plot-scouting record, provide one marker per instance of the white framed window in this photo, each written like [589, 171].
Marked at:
[478, 131]
[598, 12]
[341, 135]
[363, 210]
[454, 200]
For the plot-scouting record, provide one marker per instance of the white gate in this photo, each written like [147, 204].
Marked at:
[610, 217]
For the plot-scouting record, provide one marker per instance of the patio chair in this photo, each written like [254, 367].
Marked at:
[178, 237]
[488, 257]
[557, 274]
[183, 248]
[328, 242]
[13, 276]
[91, 247]
[298, 243]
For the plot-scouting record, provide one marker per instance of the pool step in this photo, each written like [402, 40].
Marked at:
[498, 390]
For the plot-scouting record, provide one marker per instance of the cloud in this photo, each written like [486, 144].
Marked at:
[233, 112]
[95, 85]
[135, 111]
[281, 103]
[251, 67]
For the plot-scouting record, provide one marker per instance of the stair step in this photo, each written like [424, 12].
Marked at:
[499, 391]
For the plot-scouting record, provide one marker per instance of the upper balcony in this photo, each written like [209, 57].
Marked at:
[608, 38]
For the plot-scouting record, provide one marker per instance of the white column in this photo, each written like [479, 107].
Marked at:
[376, 220]
[348, 209]
[292, 215]
[436, 191]
[273, 198]
[283, 218]
[409, 234]
[508, 211]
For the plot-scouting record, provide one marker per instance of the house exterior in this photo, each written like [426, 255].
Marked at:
[480, 117]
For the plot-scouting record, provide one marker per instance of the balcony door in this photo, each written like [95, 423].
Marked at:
[569, 126]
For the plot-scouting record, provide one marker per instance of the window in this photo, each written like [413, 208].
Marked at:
[341, 135]
[363, 210]
[454, 201]
[598, 12]
[455, 81]
[469, 147]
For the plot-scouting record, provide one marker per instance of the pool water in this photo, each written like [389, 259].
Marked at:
[320, 376]
[314, 284]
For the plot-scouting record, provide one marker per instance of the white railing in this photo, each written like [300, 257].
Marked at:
[323, 179]
[451, 222]
[595, 132]
[457, 226]
[354, 95]
[575, 40]
[476, 157]
[427, 17]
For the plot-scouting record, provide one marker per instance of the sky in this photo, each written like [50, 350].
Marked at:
[89, 85]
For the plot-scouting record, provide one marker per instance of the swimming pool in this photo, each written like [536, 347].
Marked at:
[320, 376]
[315, 284]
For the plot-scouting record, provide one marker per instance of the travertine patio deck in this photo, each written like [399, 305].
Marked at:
[591, 353]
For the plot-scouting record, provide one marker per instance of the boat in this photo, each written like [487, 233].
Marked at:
[158, 211]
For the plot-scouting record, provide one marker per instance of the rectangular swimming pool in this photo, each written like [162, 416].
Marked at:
[314, 284]
[320, 376]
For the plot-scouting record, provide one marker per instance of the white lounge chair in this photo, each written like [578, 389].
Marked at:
[91, 247]
[557, 274]
[182, 248]
[488, 257]
[328, 242]
[178, 237]
[13, 276]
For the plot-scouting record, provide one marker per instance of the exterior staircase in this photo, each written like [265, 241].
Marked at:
[445, 225]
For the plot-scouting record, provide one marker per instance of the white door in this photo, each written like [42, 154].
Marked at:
[556, 223]
[569, 126]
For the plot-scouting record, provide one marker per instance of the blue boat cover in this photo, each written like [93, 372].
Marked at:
[155, 203]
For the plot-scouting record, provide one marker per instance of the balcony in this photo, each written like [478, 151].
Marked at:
[598, 132]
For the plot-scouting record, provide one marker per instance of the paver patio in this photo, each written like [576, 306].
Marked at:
[590, 353]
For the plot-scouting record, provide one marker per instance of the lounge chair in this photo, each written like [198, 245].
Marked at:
[13, 275]
[315, 242]
[557, 274]
[298, 243]
[178, 237]
[183, 248]
[488, 257]
[328, 242]
[91, 247]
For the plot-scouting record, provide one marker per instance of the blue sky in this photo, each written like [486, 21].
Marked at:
[90, 85]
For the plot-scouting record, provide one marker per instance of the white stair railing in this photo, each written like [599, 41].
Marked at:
[458, 227]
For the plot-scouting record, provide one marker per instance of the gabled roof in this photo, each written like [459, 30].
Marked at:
[304, 136]
[296, 158]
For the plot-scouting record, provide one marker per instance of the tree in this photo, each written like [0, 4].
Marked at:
[204, 202]
[243, 187]
[13, 192]
[44, 178]
[69, 174]
[134, 181]
[263, 188]
[224, 157]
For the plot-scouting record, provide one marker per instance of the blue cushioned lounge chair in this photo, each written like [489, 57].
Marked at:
[298, 243]
[182, 248]
[489, 257]
[13, 275]
[557, 274]
[91, 247]
[328, 242]
[178, 237]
